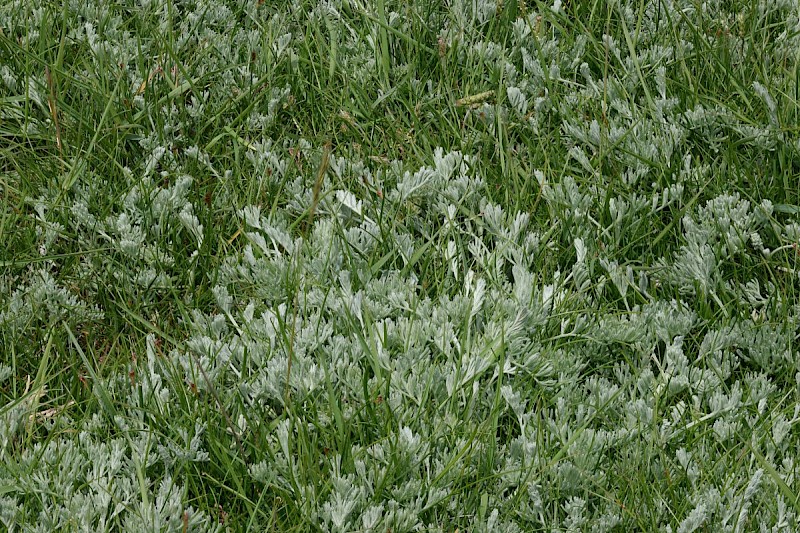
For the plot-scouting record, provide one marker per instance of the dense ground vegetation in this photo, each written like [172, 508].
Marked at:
[390, 265]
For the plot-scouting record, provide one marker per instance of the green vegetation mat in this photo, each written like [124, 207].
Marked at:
[399, 265]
